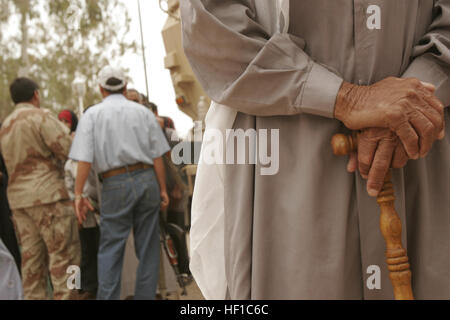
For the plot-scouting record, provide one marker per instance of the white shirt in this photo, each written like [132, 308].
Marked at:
[117, 133]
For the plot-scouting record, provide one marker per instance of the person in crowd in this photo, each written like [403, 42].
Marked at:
[35, 145]
[70, 119]
[134, 95]
[89, 231]
[7, 233]
[178, 195]
[122, 141]
[153, 107]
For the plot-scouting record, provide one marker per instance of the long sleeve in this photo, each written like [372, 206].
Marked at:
[69, 179]
[432, 54]
[240, 65]
[56, 136]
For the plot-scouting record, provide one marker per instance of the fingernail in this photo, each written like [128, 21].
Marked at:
[365, 176]
[441, 135]
[373, 192]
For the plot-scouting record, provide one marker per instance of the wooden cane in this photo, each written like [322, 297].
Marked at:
[390, 225]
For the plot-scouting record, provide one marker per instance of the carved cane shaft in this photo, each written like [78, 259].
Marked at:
[390, 225]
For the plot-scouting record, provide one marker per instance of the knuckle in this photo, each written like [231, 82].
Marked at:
[398, 164]
[391, 79]
[406, 133]
[439, 106]
[415, 83]
[364, 158]
[411, 94]
[376, 182]
[364, 164]
[428, 129]
[412, 142]
[396, 116]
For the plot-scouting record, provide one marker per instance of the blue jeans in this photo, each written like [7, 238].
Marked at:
[129, 202]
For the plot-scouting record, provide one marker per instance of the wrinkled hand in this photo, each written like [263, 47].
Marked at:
[164, 200]
[378, 150]
[82, 206]
[407, 107]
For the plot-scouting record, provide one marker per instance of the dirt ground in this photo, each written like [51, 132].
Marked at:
[193, 293]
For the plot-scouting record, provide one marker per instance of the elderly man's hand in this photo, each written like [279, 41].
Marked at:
[407, 107]
[378, 150]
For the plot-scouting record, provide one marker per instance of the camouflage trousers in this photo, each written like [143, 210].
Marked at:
[48, 236]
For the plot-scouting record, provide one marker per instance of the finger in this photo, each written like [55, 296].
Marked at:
[435, 112]
[426, 131]
[77, 211]
[400, 158]
[432, 100]
[409, 139]
[441, 135]
[380, 167]
[366, 153]
[352, 164]
[430, 87]
[80, 221]
[439, 107]
[89, 205]
[83, 217]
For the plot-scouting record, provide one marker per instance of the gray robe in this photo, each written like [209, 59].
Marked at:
[311, 231]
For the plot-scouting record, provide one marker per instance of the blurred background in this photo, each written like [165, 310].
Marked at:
[59, 41]
[63, 44]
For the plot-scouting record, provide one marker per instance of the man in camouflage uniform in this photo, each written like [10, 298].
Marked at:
[35, 144]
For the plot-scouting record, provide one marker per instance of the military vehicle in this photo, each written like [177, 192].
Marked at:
[187, 89]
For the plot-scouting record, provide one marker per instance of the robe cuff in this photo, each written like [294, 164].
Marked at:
[427, 69]
[319, 93]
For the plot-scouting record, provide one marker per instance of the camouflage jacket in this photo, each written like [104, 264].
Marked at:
[34, 145]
